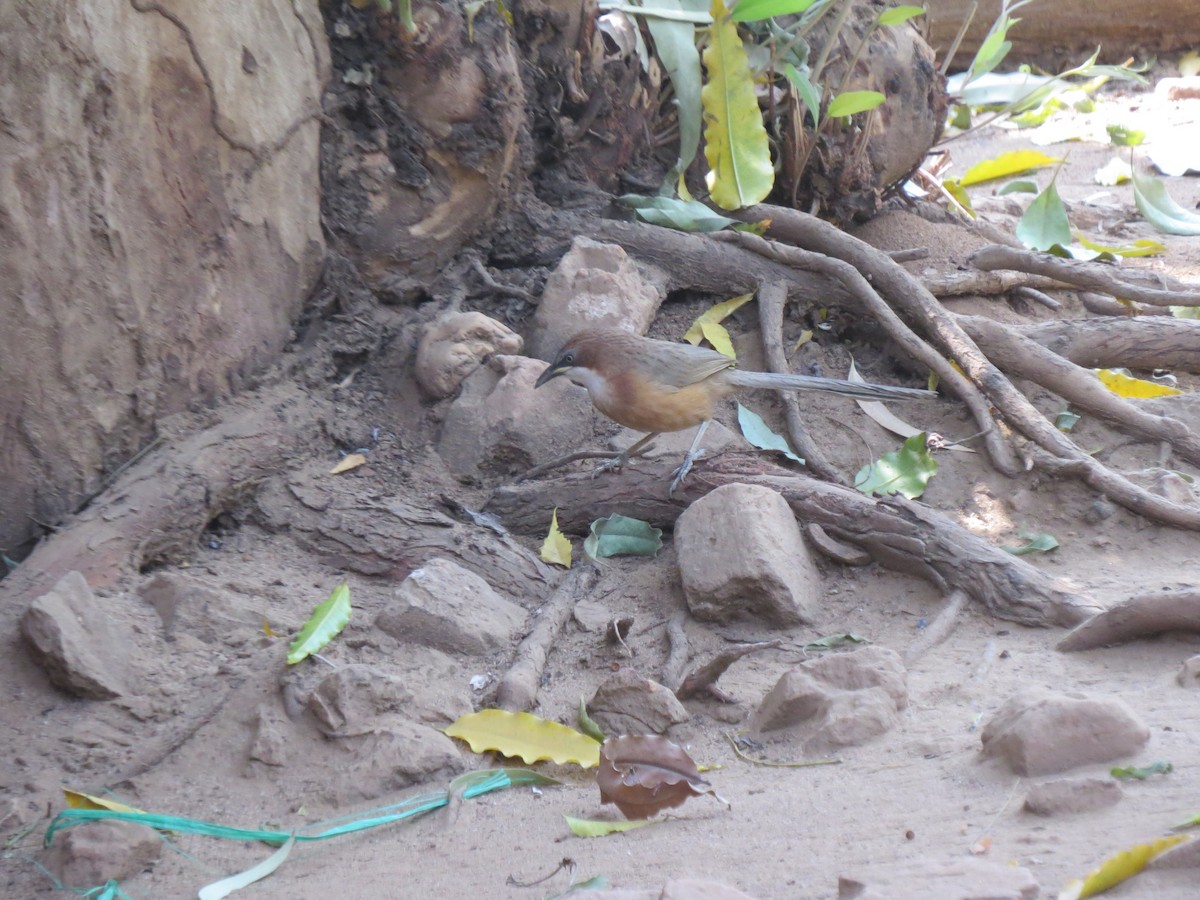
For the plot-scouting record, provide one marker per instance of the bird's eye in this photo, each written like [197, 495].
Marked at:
[568, 358]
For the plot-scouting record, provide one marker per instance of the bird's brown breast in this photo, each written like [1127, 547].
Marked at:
[639, 404]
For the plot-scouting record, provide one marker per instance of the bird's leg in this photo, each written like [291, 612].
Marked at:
[693, 454]
[625, 455]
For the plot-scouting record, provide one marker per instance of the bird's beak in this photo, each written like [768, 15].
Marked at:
[552, 371]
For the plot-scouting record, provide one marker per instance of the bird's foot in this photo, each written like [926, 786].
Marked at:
[617, 462]
[689, 460]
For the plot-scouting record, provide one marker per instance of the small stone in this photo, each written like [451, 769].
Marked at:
[1041, 732]
[1189, 673]
[455, 346]
[959, 878]
[270, 746]
[838, 701]
[96, 852]
[353, 695]
[595, 285]
[390, 753]
[740, 552]
[445, 606]
[1071, 795]
[83, 649]
[627, 703]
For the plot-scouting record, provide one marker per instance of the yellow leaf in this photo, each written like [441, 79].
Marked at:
[716, 335]
[267, 630]
[1014, 162]
[735, 140]
[805, 337]
[603, 828]
[556, 548]
[76, 800]
[1118, 867]
[955, 189]
[1137, 388]
[526, 736]
[718, 312]
[1141, 247]
[350, 462]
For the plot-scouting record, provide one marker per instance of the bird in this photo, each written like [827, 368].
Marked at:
[660, 386]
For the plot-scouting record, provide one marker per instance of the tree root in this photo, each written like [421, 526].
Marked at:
[703, 680]
[1142, 616]
[899, 534]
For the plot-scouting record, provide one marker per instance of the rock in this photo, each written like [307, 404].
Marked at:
[445, 606]
[188, 605]
[594, 285]
[1072, 795]
[270, 745]
[390, 753]
[430, 688]
[740, 552]
[500, 422]
[456, 345]
[837, 701]
[1189, 673]
[700, 889]
[627, 703]
[1041, 732]
[88, 855]
[958, 878]
[83, 650]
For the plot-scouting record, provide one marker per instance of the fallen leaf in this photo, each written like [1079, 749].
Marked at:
[671, 212]
[77, 800]
[590, 828]
[1045, 222]
[349, 462]
[1118, 868]
[588, 725]
[1161, 211]
[905, 471]
[1034, 543]
[716, 334]
[646, 774]
[556, 548]
[1006, 165]
[526, 736]
[1125, 385]
[715, 314]
[325, 623]
[1141, 773]
[755, 430]
[619, 535]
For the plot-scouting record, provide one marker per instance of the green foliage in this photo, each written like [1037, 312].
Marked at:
[852, 102]
[325, 623]
[755, 430]
[905, 471]
[619, 535]
[1045, 221]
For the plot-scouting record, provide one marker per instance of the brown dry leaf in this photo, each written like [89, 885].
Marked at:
[646, 774]
[348, 463]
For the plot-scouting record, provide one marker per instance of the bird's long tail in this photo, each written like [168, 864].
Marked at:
[860, 390]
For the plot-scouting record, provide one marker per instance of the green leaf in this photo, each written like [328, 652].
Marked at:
[1142, 247]
[1014, 162]
[1125, 137]
[852, 102]
[1066, 420]
[735, 140]
[526, 736]
[754, 10]
[810, 97]
[619, 535]
[1153, 202]
[1045, 221]
[755, 430]
[833, 641]
[1036, 117]
[961, 117]
[590, 828]
[1141, 773]
[1185, 312]
[900, 14]
[955, 189]
[1018, 187]
[671, 212]
[675, 46]
[325, 623]
[587, 724]
[1034, 543]
[905, 471]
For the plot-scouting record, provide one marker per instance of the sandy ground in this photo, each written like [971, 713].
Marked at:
[920, 792]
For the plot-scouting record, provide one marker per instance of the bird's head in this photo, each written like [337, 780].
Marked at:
[579, 359]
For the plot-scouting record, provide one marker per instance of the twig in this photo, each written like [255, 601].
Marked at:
[1029, 293]
[771, 298]
[1091, 276]
[983, 284]
[910, 255]
[778, 765]
[518, 686]
[511, 289]
[939, 629]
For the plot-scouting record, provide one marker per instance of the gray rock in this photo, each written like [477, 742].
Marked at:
[188, 605]
[959, 878]
[1189, 673]
[740, 552]
[353, 696]
[83, 650]
[594, 285]
[390, 753]
[838, 701]
[443, 605]
[1072, 795]
[500, 422]
[455, 346]
[1041, 732]
[91, 854]
[627, 703]
[270, 745]
[700, 889]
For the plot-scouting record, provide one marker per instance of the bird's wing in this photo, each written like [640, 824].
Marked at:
[679, 365]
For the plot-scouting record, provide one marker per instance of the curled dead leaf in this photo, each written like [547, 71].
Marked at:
[646, 774]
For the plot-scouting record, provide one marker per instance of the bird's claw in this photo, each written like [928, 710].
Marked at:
[689, 460]
[616, 462]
